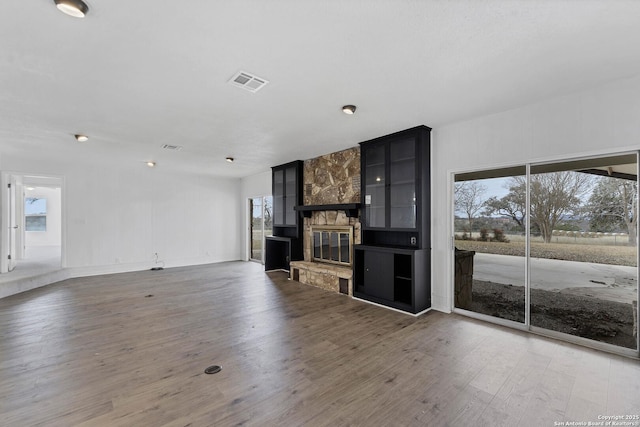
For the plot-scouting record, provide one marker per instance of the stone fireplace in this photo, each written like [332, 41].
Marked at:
[331, 221]
[328, 242]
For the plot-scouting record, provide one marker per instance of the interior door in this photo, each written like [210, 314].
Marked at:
[13, 223]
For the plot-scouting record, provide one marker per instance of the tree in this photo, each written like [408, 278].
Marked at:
[512, 205]
[553, 196]
[613, 206]
[468, 199]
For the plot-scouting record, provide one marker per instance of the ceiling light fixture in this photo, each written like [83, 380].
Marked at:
[75, 8]
[81, 138]
[230, 159]
[151, 164]
[349, 109]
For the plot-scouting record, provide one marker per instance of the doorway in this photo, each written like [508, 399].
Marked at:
[551, 248]
[260, 211]
[32, 238]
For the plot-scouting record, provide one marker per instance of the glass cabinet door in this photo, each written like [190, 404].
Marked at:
[278, 197]
[290, 197]
[402, 185]
[375, 198]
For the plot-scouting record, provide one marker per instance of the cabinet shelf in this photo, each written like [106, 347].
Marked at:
[404, 160]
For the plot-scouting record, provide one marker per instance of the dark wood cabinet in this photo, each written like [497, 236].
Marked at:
[280, 251]
[286, 243]
[392, 266]
[287, 193]
[394, 277]
[396, 189]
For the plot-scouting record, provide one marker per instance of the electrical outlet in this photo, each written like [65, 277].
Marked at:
[414, 241]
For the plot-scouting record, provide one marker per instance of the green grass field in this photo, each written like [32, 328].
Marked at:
[601, 254]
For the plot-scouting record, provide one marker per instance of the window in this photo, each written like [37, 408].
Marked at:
[35, 211]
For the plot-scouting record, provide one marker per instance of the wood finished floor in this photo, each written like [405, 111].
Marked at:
[130, 350]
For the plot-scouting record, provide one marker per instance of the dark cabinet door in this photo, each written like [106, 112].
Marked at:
[291, 189]
[286, 194]
[390, 171]
[278, 197]
[375, 194]
[378, 274]
[402, 184]
[395, 180]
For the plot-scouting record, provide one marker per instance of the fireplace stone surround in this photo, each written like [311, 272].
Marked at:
[331, 197]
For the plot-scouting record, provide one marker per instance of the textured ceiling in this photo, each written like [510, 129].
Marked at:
[137, 74]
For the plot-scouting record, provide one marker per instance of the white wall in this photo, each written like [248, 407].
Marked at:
[252, 186]
[53, 234]
[601, 120]
[117, 217]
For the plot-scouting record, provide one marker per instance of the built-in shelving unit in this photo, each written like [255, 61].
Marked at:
[285, 245]
[392, 266]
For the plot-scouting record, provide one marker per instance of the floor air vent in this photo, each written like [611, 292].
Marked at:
[214, 369]
[248, 81]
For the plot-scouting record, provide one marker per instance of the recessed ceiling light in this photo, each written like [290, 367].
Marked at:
[151, 164]
[81, 138]
[349, 109]
[75, 8]
[230, 159]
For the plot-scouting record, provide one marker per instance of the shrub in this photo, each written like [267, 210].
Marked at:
[498, 235]
[484, 235]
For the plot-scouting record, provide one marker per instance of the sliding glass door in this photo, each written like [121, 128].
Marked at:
[583, 266]
[260, 211]
[554, 249]
[489, 236]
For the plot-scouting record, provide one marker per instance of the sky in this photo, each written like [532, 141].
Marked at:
[34, 206]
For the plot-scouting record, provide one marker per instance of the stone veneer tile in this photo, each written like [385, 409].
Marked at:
[324, 276]
[331, 179]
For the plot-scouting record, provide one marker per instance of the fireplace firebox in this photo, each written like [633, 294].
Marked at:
[333, 244]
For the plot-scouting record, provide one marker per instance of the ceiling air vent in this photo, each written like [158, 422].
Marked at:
[248, 81]
[172, 147]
